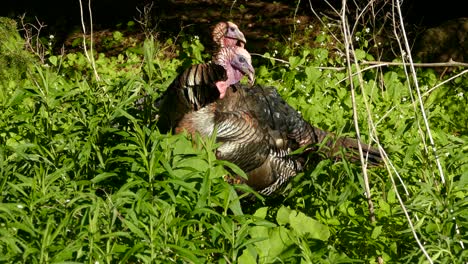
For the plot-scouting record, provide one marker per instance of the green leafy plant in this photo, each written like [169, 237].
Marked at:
[86, 177]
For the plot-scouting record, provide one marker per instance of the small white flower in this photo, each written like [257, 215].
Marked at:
[447, 154]
[51, 37]
[299, 112]
[298, 21]
[460, 94]
[403, 99]
[68, 200]
[20, 206]
[289, 39]
[329, 75]
[357, 38]
[50, 43]
[367, 30]
[328, 25]
[379, 43]
[311, 26]
[196, 37]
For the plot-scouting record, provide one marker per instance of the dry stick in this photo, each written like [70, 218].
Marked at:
[90, 58]
[413, 230]
[403, 52]
[415, 80]
[450, 63]
[378, 64]
[426, 122]
[320, 19]
[442, 83]
[348, 44]
[348, 49]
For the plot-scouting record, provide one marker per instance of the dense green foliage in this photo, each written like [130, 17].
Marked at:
[86, 177]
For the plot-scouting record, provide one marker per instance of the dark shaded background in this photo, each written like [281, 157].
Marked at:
[258, 18]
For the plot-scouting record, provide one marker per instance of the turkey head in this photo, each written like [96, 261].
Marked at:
[227, 34]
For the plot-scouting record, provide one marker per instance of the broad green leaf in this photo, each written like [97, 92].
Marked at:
[283, 215]
[303, 224]
[376, 232]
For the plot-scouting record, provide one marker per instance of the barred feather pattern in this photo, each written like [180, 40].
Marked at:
[198, 84]
[294, 132]
[259, 131]
[247, 144]
[283, 167]
[190, 91]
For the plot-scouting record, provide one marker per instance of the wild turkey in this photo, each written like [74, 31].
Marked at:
[257, 128]
[258, 131]
[227, 34]
[202, 84]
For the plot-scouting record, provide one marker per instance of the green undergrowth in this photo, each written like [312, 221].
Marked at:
[87, 178]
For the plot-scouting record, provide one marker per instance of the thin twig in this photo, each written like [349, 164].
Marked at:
[398, 17]
[90, 58]
[378, 64]
[442, 83]
[300, 66]
[93, 62]
[348, 50]
[418, 91]
[450, 63]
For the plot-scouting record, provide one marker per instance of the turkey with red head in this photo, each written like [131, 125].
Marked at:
[259, 130]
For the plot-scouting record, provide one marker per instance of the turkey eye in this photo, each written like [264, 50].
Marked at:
[232, 29]
[242, 59]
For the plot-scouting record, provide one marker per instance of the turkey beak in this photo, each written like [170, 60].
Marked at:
[237, 35]
[240, 39]
[251, 74]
